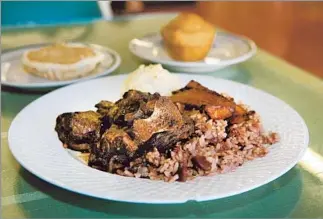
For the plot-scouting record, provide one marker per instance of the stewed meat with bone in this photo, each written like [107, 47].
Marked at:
[78, 130]
[122, 131]
[128, 128]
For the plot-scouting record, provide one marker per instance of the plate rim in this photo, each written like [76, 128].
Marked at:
[52, 84]
[133, 200]
[173, 63]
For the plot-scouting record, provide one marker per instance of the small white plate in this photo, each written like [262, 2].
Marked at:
[34, 143]
[13, 74]
[227, 49]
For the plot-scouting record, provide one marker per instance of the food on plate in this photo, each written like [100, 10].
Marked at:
[62, 61]
[170, 138]
[216, 106]
[79, 129]
[152, 78]
[137, 123]
[188, 37]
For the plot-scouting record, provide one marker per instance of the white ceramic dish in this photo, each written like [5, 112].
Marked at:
[13, 74]
[35, 145]
[227, 49]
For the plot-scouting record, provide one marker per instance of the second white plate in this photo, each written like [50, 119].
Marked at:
[13, 74]
[227, 49]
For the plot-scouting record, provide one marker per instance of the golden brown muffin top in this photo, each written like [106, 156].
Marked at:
[189, 22]
[188, 29]
[60, 53]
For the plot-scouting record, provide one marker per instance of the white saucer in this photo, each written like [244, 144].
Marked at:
[13, 74]
[227, 49]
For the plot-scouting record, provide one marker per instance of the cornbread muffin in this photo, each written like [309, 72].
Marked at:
[62, 61]
[188, 37]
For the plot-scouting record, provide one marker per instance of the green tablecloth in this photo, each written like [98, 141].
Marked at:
[299, 193]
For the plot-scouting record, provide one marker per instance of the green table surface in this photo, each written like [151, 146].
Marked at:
[297, 194]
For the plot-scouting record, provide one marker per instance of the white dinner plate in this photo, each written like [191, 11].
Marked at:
[227, 49]
[13, 74]
[34, 143]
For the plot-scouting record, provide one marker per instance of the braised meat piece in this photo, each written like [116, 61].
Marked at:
[104, 107]
[164, 127]
[115, 147]
[78, 130]
[216, 106]
[133, 105]
[168, 139]
[165, 117]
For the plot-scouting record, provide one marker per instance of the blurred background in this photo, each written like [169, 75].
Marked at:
[290, 30]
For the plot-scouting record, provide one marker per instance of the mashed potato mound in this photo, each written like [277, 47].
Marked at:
[152, 78]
